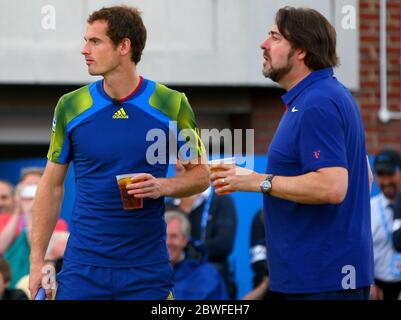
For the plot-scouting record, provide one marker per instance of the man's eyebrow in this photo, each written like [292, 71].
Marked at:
[274, 33]
[91, 39]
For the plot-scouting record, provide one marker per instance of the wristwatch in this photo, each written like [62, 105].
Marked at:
[266, 185]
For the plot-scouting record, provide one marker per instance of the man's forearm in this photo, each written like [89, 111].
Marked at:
[44, 218]
[311, 188]
[193, 181]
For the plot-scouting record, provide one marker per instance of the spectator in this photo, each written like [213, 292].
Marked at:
[6, 200]
[16, 250]
[54, 257]
[213, 222]
[384, 209]
[16, 236]
[258, 259]
[194, 279]
[5, 292]
[8, 203]
[13, 223]
[396, 227]
[31, 175]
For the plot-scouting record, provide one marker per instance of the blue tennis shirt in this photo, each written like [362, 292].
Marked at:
[311, 248]
[104, 139]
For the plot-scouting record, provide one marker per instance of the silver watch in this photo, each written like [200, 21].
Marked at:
[266, 185]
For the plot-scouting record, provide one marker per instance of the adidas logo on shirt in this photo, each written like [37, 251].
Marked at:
[120, 114]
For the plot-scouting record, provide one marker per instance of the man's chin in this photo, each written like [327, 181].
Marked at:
[270, 75]
[390, 194]
[266, 73]
[93, 73]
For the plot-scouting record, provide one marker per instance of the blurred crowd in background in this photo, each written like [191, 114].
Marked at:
[201, 233]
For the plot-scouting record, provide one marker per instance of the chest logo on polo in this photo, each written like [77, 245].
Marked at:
[120, 114]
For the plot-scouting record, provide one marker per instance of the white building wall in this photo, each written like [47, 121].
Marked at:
[190, 42]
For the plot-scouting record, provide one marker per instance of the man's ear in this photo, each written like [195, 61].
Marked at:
[125, 46]
[301, 54]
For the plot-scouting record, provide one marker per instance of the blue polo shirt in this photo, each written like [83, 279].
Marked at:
[316, 248]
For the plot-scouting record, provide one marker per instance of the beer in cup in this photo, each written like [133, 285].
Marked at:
[230, 161]
[211, 163]
[129, 201]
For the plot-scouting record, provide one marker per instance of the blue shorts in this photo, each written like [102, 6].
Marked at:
[83, 282]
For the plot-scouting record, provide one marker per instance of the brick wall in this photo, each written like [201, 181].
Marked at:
[267, 107]
[379, 135]
[267, 110]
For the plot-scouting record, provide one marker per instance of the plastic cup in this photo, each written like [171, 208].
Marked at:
[129, 201]
[213, 169]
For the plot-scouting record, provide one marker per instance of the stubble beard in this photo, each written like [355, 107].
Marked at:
[276, 74]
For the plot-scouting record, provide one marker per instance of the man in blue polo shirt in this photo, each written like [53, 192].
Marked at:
[317, 182]
[104, 127]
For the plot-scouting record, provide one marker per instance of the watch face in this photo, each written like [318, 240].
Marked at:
[266, 186]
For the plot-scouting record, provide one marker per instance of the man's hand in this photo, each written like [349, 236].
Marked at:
[37, 279]
[258, 292]
[144, 185]
[376, 293]
[228, 178]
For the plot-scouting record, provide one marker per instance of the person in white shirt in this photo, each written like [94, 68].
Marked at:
[387, 260]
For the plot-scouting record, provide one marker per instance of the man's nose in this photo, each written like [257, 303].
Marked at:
[85, 49]
[265, 45]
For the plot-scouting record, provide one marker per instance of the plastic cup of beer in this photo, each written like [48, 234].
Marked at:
[129, 201]
[227, 161]
[212, 163]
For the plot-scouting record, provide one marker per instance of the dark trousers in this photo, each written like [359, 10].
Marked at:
[355, 294]
[391, 290]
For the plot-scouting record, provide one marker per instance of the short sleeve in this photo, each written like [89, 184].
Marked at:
[322, 138]
[59, 149]
[189, 141]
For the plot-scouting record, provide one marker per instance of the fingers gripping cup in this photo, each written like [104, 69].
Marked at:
[214, 166]
[129, 201]
[214, 162]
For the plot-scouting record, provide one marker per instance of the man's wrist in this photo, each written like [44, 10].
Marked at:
[165, 187]
[258, 181]
[37, 259]
[267, 184]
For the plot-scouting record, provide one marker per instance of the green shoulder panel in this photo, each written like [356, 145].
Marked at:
[175, 105]
[68, 107]
[166, 100]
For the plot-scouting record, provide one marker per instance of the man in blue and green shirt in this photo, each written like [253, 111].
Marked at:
[103, 128]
